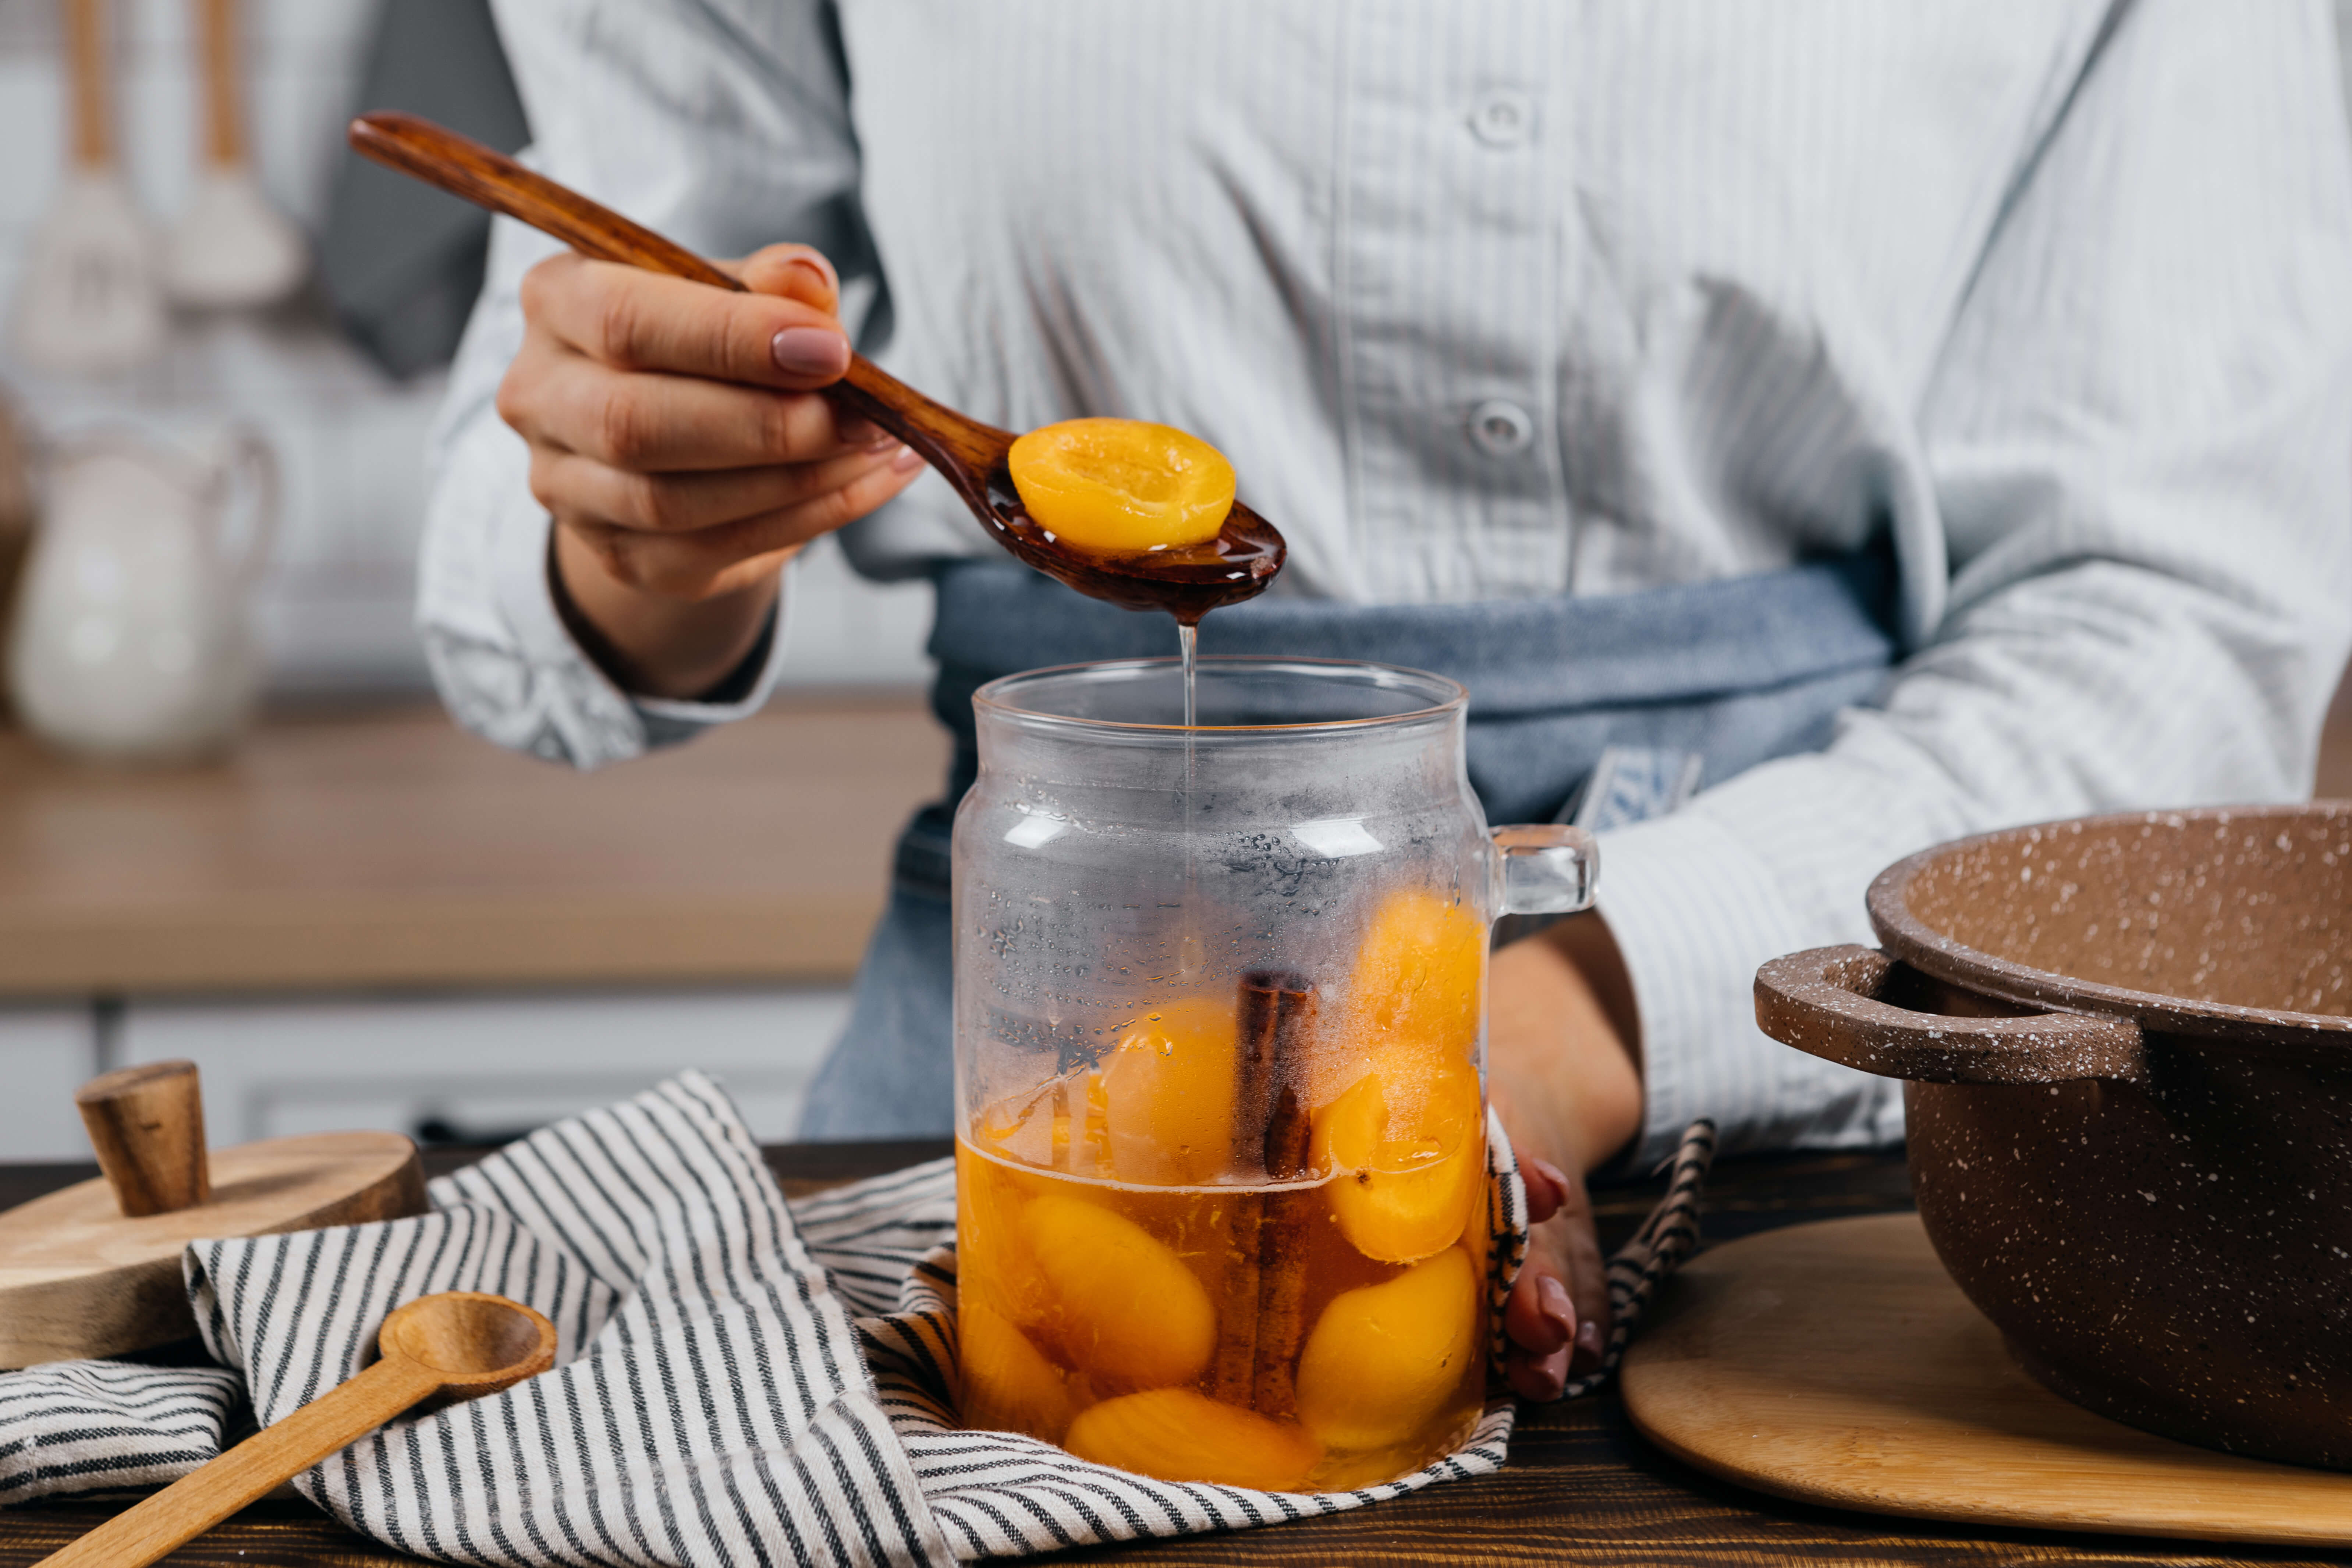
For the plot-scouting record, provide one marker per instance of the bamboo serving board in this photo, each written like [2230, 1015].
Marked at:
[1837, 1364]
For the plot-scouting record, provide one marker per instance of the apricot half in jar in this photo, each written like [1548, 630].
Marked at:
[1180, 1435]
[1122, 486]
[1008, 1385]
[1404, 1185]
[1169, 1090]
[1413, 996]
[1122, 1305]
[1384, 1360]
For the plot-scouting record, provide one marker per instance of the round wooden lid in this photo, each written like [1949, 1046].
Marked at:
[77, 1279]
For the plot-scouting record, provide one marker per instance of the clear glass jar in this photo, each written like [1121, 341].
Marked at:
[1220, 1002]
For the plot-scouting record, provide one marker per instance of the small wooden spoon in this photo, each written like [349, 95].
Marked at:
[1187, 583]
[460, 1343]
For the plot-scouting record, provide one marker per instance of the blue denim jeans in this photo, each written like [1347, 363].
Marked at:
[1597, 709]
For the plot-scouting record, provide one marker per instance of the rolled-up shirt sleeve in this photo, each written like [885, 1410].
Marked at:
[2137, 514]
[722, 124]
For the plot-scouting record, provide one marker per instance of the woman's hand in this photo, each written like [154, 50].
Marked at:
[677, 439]
[1561, 1069]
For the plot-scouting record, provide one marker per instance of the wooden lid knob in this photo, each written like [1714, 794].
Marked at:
[147, 1124]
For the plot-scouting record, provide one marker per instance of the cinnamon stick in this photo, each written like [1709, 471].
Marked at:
[1257, 1355]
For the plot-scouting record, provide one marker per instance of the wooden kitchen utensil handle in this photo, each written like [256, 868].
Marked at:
[87, 70]
[954, 443]
[489, 178]
[224, 97]
[463, 1343]
[1828, 1002]
[246, 1473]
[147, 1124]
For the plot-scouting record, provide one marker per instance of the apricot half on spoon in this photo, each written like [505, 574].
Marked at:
[1122, 486]
[1233, 561]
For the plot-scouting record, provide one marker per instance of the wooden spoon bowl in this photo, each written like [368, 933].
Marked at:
[472, 1342]
[1187, 581]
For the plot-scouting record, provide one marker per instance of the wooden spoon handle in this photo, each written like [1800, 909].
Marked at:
[88, 64]
[205, 1496]
[220, 39]
[489, 178]
[959, 447]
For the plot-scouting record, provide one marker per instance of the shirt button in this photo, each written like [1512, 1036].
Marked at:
[1499, 429]
[1503, 118]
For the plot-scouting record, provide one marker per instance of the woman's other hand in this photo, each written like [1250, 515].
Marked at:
[678, 438]
[1561, 1067]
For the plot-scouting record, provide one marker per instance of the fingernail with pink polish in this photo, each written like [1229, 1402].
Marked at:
[809, 351]
[1549, 1173]
[1588, 1339]
[1552, 1297]
[908, 460]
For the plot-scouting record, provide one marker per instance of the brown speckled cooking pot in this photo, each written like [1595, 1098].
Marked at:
[2130, 1104]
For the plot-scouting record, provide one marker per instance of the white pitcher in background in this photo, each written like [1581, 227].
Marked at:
[133, 638]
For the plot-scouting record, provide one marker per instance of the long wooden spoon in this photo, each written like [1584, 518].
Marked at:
[459, 1343]
[1187, 583]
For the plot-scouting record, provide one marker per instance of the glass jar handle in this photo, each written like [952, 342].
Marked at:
[1548, 868]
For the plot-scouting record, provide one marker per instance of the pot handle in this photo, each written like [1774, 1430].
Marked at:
[1825, 1001]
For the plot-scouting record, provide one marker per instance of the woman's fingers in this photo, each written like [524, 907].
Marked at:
[1575, 1243]
[1546, 1186]
[633, 320]
[674, 439]
[794, 272]
[1537, 1379]
[653, 424]
[1556, 1318]
[1540, 1322]
[1541, 1316]
[709, 562]
[576, 488]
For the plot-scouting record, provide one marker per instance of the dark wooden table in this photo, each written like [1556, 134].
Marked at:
[1581, 1486]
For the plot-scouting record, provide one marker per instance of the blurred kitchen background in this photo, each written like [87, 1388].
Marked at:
[354, 916]
[359, 917]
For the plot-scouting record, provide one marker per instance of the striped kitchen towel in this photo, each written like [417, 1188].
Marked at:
[93, 1426]
[890, 1242]
[737, 1381]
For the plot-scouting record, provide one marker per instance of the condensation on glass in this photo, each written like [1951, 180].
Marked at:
[1220, 1001]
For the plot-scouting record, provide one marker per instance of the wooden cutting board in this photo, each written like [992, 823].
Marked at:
[1837, 1364]
[77, 1278]
[94, 1269]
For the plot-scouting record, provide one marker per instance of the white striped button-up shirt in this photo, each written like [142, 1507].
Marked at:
[1526, 298]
